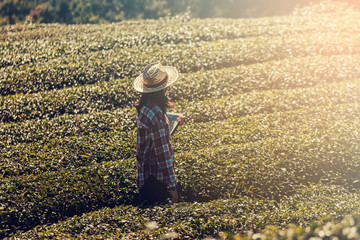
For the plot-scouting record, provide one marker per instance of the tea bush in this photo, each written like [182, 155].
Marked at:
[257, 102]
[31, 200]
[271, 139]
[287, 73]
[199, 220]
[347, 229]
[72, 152]
[271, 168]
[77, 68]
[109, 95]
[67, 153]
[213, 84]
[77, 100]
[122, 119]
[148, 33]
[84, 145]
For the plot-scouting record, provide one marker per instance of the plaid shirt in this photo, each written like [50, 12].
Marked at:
[154, 152]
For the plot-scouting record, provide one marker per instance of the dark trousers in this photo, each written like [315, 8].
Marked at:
[153, 192]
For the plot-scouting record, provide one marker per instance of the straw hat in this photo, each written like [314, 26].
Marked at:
[155, 77]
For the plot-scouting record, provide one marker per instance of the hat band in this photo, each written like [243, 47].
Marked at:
[157, 84]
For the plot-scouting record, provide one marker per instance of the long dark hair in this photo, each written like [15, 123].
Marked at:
[159, 97]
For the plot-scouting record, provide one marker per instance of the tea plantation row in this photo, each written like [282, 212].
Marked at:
[283, 74]
[57, 149]
[272, 136]
[53, 40]
[181, 28]
[272, 166]
[207, 190]
[75, 68]
[225, 218]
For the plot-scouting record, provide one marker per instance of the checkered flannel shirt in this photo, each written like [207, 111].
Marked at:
[154, 152]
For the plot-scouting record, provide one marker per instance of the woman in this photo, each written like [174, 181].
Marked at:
[154, 153]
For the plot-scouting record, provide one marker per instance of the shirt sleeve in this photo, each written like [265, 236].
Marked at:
[163, 150]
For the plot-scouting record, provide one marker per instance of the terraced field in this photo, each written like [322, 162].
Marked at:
[272, 138]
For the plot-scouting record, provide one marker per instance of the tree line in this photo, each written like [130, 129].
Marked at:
[105, 11]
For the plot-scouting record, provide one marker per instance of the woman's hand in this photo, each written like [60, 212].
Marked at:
[181, 119]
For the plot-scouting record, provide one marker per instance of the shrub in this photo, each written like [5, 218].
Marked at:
[212, 219]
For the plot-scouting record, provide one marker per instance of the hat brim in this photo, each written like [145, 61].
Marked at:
[172, 73]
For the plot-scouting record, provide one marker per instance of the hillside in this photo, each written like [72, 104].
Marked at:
[271, 142]
[108, 11]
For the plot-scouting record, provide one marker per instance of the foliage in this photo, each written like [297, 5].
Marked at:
[212, 219]
[348, 228]
[75, 55]
[271, 139]
[114, 94]
[71, 140]
[105, 11]
[257, 102]
[272, 168]
[39, 199]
